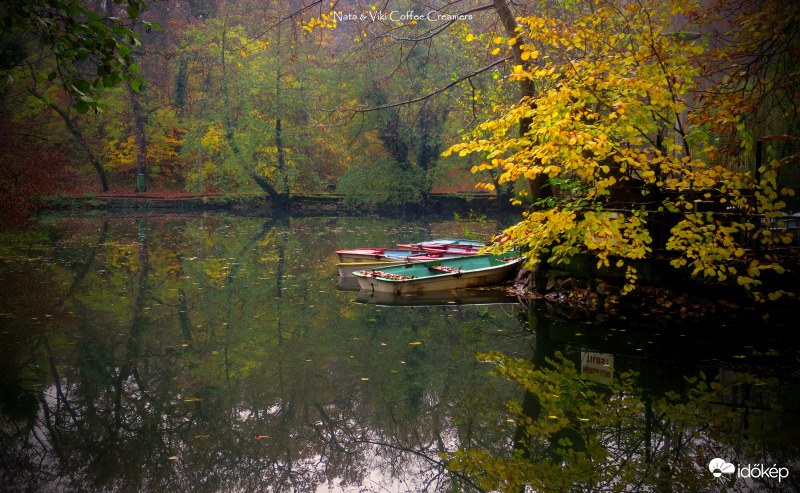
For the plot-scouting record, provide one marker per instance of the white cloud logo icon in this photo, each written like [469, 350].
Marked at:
[719, 467]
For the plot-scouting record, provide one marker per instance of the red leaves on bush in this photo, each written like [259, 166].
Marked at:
[27, 171]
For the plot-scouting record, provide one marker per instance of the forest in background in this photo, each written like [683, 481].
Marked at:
[254, 96]
[300, 95]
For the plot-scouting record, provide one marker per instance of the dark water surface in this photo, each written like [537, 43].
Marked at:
[215, 353]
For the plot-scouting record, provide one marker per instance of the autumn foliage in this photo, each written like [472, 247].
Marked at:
[27, 171]
[628, 123]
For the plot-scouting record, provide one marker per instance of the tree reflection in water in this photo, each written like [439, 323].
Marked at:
[215, 354]
[656, 429]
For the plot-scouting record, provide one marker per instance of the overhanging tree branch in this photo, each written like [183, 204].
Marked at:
[427, 96]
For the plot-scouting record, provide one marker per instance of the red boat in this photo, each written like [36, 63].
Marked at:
[376, 254]
[436, 248]
[369, 255]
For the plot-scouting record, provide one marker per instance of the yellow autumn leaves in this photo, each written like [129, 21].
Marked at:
[608, 117]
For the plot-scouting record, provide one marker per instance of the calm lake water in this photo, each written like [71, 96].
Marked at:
[215, 353]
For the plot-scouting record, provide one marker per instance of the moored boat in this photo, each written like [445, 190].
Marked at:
[453, 249]
[438, 275]
[365, 255]
[443, 242]
[449, 245]
[372, 255]
[346, 269]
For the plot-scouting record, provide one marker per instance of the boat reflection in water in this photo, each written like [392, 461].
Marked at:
[347, 283]
[478, 296]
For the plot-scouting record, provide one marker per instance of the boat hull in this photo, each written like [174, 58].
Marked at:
[454, 250]
[370, 255]
[445, 246]
[474, 271]
[346, 269]
[445, 243]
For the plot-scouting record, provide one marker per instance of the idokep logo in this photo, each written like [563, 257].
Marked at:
[718, 467]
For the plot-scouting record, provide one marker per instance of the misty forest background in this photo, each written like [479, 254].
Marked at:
[242, 97]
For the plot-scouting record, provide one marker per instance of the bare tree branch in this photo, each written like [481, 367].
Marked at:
[425, 97]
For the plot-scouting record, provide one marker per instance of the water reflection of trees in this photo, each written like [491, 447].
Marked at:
[640, 433]
[214, 354]
[222, 358]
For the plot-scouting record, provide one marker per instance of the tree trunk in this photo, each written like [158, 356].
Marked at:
[79, 138]
[274, 196]
[539, 185]
[181, 81]
[141, 141]
[283, 177]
